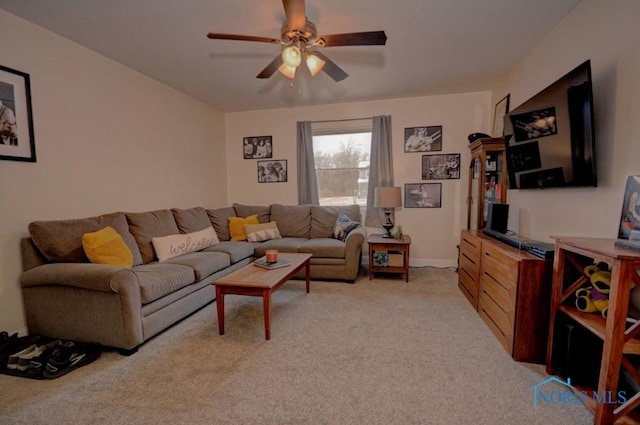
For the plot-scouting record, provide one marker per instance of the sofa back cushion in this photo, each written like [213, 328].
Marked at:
[220, 221]
[147, 225]
[60, 241]
[191, 220]
[292, 220]
[263, 212]
[323, 219]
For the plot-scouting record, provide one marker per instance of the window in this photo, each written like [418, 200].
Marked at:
[342, 166]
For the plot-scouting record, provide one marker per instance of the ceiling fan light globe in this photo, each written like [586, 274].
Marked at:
[291, 56]
[315, 64]
[287, 71]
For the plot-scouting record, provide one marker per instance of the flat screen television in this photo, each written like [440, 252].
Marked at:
[550, 138]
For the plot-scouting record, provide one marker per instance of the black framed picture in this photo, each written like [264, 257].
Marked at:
[256, 147]
[441, 166]
[17, 142]
[423, 195]
[272, 171]
[423, 139]
[500, 110]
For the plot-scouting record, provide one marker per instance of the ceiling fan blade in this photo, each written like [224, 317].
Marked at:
[369, 38]
[332, 70]
[271, 68]
[296, 14]
[218, 36]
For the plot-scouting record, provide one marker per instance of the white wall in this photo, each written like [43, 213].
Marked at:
[107, 139]
[607, 33]
[435, 232]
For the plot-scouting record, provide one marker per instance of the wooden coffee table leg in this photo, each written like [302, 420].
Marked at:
[220, 307]
[266, 305]
[307, 273]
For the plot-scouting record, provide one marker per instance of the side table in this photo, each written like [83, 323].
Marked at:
[388, 255]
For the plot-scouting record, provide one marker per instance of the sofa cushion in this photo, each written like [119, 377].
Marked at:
[324, 248]
[323, 219]
[106, 246]
[263, 212]
[151, 224]
[237, 251]
[203, 263]
[171, 246]
[60, 241]
[344, 225]
[262, 232]
[159, 279]
[283, 245]
[220, 221]
[236, 226]
[191, 220]
[293, 220]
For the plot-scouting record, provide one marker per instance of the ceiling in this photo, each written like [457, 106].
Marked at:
[433, 46]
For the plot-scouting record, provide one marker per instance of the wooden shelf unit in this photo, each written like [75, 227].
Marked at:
[619, 338]
[511, 290]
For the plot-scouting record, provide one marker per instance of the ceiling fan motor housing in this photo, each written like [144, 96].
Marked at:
[306, 36]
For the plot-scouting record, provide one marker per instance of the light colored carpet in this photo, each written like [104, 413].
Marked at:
[376, 352]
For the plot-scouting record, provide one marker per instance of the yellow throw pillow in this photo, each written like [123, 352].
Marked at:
[236, 226]
[106, 246]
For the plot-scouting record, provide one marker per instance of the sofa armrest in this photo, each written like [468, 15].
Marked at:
[355, 238]
[97, 277]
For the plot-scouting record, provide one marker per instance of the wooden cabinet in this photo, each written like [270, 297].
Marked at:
[619, 336]
[511, 290]
[487, 179]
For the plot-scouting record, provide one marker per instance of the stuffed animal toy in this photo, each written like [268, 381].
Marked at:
[596, 296]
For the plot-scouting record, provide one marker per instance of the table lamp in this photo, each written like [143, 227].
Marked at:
[387, 198]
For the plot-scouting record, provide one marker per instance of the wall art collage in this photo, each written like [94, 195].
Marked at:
[440, 166]
[261, 148]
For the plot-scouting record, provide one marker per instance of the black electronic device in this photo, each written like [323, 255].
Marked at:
[512, 240]
[550, 138]
[497, 217]
[544, 250]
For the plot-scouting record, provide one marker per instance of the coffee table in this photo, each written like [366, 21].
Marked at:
[259, 282]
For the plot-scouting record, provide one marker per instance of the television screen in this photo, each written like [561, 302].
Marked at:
[550, 137]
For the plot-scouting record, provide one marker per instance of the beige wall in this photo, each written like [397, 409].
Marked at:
[606, 33]
[435, 232]
[107, 139]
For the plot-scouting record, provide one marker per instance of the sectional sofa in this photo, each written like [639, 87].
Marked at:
[69, 297]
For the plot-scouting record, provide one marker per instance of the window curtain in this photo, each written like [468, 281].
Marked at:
[307, 181]
[380, 165]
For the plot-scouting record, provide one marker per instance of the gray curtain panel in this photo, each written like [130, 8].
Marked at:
[380, 166]
[307, 181]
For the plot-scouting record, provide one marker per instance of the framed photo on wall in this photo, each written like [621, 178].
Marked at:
[423, 195]
[423, 139]
[17, 142]
[441, 166]
[501, 109]
[256, 147]
[272, 171]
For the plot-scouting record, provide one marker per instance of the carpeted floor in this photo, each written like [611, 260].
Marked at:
[376, 352]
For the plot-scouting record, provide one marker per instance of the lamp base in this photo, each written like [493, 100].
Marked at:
[387, 225]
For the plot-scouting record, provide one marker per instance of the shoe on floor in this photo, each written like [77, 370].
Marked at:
[36, 365]
[14, 359]
[25, 360]
[13, 345]
[68, 357]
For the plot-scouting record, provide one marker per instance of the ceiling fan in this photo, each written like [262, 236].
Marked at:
[299, 38]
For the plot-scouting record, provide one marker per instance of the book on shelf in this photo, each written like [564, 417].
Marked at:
[262, 262]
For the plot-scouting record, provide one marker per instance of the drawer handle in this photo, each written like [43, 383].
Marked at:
[470, 260]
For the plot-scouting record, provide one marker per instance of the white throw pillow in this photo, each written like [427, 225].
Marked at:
[171, 246]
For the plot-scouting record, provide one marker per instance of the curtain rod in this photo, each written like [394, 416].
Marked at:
[346, 119]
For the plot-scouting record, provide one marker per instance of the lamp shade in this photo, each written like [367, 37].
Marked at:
[387, 197]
